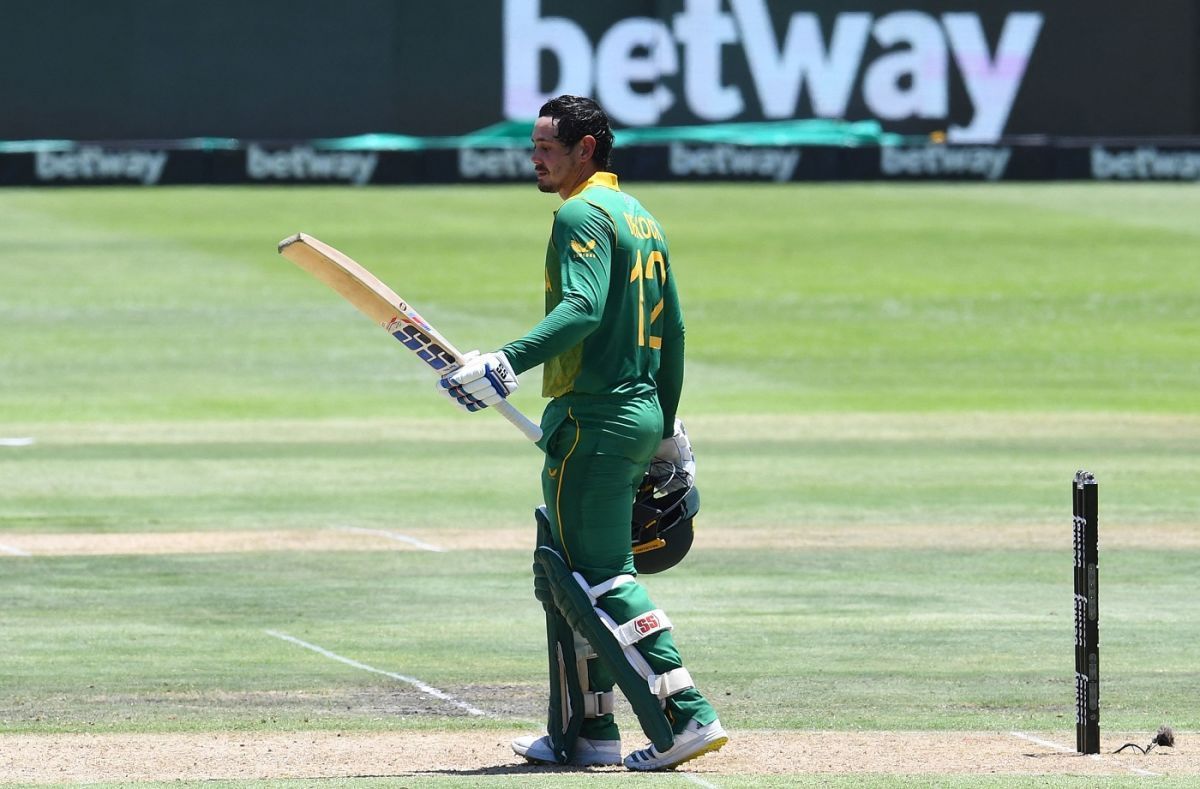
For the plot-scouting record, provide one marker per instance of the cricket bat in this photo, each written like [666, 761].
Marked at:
[381, 304]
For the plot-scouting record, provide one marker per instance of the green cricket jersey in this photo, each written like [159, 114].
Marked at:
[613, 324]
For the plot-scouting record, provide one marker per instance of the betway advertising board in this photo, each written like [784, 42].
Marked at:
[976, 70]
[718, 62]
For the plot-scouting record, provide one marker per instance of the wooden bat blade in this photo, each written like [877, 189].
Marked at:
[372, 298]
[350, 280]
[381, 304]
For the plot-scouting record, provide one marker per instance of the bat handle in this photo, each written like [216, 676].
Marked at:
[519, 420]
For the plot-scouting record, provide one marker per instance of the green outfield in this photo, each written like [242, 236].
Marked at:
[208, 461]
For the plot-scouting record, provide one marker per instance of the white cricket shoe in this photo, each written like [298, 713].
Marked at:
[695, 740]
[588, 753]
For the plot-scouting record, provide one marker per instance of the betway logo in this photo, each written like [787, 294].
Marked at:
[937, 161]
[1145, 164]
[301, 163]
[909, 79]
[776, 164]
[494, 163]
[96, 164]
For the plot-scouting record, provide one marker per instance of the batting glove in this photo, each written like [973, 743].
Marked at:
[482, 381]
[677, 450]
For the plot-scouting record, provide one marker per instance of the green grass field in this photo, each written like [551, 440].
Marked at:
[889, 390]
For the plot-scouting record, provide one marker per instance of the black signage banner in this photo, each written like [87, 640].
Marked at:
[299, 163]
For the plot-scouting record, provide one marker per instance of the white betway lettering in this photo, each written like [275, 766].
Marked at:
[778, 72]
[921, 57]
[1145, 164]
[97, 164]
[497, 163]
[937, 161]
[702, 30]
[302, 163]
[991, 83]
[909, 79]
[624, 68]
[776, 164]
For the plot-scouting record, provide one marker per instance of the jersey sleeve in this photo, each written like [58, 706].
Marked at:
[670, 369]
[583, 239]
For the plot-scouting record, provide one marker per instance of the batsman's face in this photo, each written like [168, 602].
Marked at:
[559, 168]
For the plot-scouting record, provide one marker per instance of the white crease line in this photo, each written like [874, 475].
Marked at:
[416, 683]
[1044, 743]
[11, 441]
[698, 781]
[393, 535]
[12, 549]
[1064, 749]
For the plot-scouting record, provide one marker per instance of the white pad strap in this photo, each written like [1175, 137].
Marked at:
[670, 683]
[633, 631]
[631, 654]
[642, 626]
[597, 704]
[594, 593]
[661, 685]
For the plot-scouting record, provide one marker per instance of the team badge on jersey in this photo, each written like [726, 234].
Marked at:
[584, 250]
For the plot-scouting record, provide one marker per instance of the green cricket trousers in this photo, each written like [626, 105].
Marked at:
[597, 450]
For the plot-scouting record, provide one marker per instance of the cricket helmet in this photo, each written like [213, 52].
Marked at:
[663, 509]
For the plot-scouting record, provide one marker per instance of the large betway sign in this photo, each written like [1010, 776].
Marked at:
[897, 64]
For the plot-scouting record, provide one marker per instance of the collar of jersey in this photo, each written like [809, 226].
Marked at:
[607, 180]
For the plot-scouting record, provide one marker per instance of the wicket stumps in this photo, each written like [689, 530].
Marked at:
[1087, 614]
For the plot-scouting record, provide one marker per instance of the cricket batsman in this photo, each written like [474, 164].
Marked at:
[611, 348]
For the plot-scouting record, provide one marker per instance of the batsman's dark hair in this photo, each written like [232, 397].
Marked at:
[578, 116]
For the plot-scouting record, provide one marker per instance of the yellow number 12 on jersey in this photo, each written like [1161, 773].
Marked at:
[642, 272]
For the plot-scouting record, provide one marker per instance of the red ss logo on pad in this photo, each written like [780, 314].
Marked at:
[646, 623]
